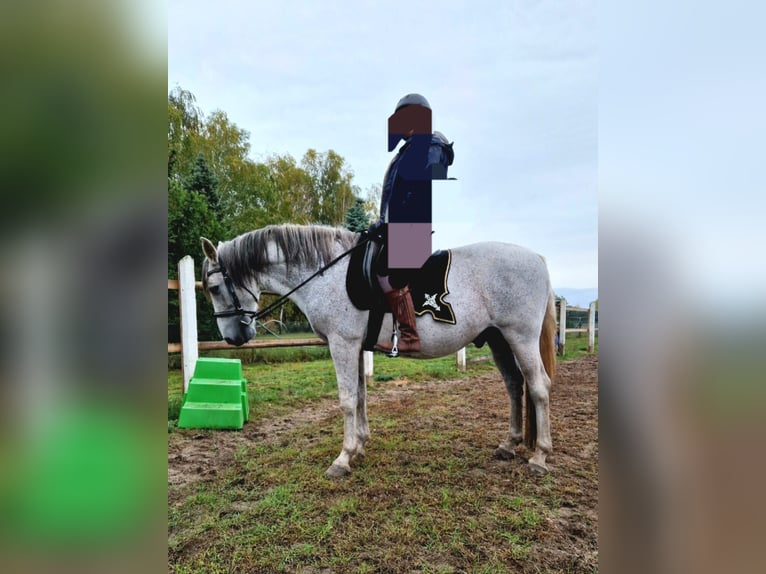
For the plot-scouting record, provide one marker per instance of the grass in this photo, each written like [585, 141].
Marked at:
[418, 503]
[299, 517]
[283, 379]
[414, 504]
[577, 346]
[283, 385]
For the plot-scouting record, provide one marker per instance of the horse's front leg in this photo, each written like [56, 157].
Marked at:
[507, 449]
[345, 357]
[362, 426]
[514, 382]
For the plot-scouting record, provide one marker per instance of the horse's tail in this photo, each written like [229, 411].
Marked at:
[548, 337]
[548, 354]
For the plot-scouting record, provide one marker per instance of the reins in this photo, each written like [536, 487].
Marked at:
[257, 315]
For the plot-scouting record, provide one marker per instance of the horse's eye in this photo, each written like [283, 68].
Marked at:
[215, 289]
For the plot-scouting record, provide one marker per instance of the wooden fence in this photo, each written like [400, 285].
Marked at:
[591, 329]
[189, 346]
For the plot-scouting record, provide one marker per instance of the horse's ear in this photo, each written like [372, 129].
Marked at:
[209, 250]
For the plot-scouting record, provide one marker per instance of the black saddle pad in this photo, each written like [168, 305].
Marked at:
[428, 286]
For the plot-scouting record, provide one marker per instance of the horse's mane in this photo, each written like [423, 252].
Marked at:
[311, 245]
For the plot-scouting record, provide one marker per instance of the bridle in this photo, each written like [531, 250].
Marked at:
[246, 317]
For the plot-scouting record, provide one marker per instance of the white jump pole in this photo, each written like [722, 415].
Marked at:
[187, 308]
[460, 360]
[592, 327]
[562, 325]
[367, 358]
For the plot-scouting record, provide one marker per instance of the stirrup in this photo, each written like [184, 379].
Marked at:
[394, 352]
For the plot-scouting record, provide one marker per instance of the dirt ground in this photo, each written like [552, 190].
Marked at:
[479, 406]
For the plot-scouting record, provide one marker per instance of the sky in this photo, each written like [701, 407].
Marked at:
[513, 84]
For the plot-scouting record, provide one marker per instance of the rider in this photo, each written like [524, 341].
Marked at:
[406, 197]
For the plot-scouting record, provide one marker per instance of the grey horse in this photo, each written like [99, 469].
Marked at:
[500, 294]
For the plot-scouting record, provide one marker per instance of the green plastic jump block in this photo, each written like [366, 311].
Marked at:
[212, 368]
[211, 416]
[214, 391]
[216, 397]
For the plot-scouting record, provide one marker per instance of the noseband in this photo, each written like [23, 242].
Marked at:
[246, 316]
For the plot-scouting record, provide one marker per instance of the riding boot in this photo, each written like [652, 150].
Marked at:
[403, 309]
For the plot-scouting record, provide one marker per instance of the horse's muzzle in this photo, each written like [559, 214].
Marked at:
[243, 335]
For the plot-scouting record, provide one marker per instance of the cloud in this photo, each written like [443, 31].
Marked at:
[514, 86]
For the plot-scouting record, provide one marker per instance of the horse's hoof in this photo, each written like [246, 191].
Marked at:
[337, 471]
[538, 469]
[504, 454]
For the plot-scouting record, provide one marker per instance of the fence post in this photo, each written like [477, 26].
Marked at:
[592, 327]
[562, 325]
[460, 359]
[368, 375]
[187, 308]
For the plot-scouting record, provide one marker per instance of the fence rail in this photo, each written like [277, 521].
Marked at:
[562, 320]
[217, 345]
[189, 347]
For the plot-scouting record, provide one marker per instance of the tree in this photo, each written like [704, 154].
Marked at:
[216, 190]
[356, 216]
[205, 182]
[226, 147]
[251, 205]
[189, 217]
[185, 122]
[331, 189]
[223, 145]
[372, 201]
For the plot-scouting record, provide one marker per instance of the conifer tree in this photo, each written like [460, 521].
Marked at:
[356, 216]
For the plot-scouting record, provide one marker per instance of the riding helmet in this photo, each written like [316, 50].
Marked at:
[412, 100]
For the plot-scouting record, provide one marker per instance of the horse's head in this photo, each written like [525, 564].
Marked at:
[235, 322]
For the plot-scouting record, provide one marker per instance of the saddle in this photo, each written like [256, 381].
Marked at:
[428, 286]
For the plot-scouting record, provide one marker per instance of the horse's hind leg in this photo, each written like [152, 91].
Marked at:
[527, 352]
[514, 382]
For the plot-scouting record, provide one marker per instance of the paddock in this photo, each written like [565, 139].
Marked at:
[429, 496]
